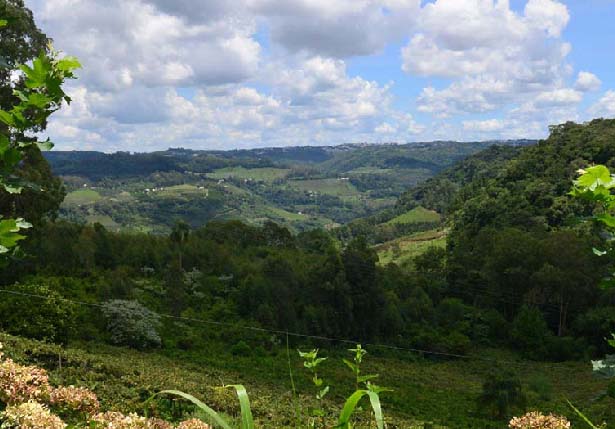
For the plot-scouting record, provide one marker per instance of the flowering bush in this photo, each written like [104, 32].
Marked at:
[27, 392]
[30, 415]
[131, 324]
[115, 420]
[74, 399]
[193, 424]
[536, 420]
[20, 383]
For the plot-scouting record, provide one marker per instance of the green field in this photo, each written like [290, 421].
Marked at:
[441, 391]
[404, 249]
[416, 215]
[105, 221]
[81, 197]
[335, 187]
[258, 174]
[182, 190]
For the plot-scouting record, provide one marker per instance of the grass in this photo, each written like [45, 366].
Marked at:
[402, 250]
[258, 174]
[441, 391]
[182, 190]
[104, 220]
[335, 187]
[416, 215]
[81, 197]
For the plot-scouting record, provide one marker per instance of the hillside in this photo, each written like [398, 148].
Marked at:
[301, 187]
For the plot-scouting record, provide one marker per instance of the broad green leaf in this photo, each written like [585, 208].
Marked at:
[7, 118]
[3, 23]
[247, 422]
[598, 252]
[349, 408]
[606, 219]
[374, 399]
[210, 412]
[45, 145]
[68, 64]
[595, 176]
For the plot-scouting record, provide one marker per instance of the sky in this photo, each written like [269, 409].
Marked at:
[227, 74]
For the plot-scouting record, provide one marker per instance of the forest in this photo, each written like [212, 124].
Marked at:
[479, 290]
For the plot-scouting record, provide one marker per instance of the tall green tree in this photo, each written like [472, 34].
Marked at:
[25, 105]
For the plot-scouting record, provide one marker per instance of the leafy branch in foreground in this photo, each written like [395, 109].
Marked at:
[38, 97]
[596, 184]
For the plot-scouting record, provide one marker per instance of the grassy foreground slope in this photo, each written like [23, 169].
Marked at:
[441, 392]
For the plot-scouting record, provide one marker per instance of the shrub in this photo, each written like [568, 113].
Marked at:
[502, 393]
[131, 324]
[51, 319]
[241, 349]
[530, 333]
[30, 415]
[536, 420]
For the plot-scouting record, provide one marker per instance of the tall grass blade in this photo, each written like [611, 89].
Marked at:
[580, 414]
[210, 412]
[374, 399]
[247, 422]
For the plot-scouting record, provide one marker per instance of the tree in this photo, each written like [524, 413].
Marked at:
[179, 237]
[26, 106]
[367, 299]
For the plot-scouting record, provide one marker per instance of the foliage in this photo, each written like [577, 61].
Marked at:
[51, 319]
[502, 394]
[36, 97]
[131, 324]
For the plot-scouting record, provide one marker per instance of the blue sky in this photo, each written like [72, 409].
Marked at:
[254, 73]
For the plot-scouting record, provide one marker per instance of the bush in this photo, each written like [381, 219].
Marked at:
[530, 333]
[131, 324]
[241, 349]
[502, 394]
[542, 387]
[51, 319]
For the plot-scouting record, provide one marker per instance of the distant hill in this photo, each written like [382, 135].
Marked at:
[301, 187]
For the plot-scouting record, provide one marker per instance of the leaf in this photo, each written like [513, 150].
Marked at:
[68, 64]
[45, 145]
[7, 118]
[580, 414]
[349, 408]
[210, 412]
[606, 219]
[350, 365]
[595, 176]
[599, 252]
[3, 23]
[374, 399]
[247, 422]
[364, 378]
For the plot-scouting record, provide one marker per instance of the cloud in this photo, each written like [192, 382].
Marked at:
[340, 28]
[488, 125]
[128, 42]
[246, 73]
[605, 106]
[494, 55]
[587, 81]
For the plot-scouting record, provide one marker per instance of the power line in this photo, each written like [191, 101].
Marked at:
[269, 330]
[286, 333]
